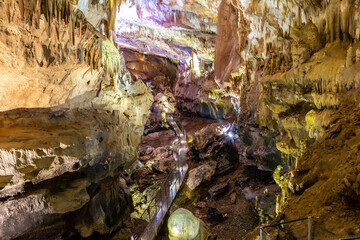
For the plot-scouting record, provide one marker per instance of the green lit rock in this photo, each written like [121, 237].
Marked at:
[183, 225]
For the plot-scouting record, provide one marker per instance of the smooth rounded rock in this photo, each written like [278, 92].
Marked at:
[183, 225]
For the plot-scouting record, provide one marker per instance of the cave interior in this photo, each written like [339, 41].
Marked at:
[179, 119]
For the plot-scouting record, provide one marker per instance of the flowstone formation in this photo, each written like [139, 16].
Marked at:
[71, 121]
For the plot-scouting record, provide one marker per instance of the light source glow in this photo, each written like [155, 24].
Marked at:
[128, 12]
[225, 129]
[182, 224]
[175, 231]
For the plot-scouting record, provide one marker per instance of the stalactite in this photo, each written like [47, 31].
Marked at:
[37, 13]
[299, 16]
[22, 9]
[344, 18]
[114, 5]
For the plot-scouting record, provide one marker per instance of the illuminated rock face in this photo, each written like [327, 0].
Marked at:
[172, 28]
[281, 60]
[71, 120]
[183, 225]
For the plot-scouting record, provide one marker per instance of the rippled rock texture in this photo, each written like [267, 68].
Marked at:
[71, 120]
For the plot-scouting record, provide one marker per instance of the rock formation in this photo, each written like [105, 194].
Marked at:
[71, 120]
[293, 70]
[183, 224]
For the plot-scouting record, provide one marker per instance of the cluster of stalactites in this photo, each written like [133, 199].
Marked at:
[114, 64]
[342, 20]
[337, 19]
[61, 16]
[272, 22]
[31, 10]
[61, 10]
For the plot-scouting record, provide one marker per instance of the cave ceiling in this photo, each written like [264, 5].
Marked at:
[175, 29]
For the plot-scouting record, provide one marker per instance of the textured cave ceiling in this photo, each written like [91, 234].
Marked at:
[172, 28]
[257, 29]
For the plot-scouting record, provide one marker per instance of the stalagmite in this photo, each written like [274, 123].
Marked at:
[358, 55]
[344, 18]
[350, 57]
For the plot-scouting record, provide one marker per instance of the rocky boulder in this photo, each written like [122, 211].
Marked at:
[210, 143]
[218, 190]
[183, 225]
[201, 174]
[163, 164]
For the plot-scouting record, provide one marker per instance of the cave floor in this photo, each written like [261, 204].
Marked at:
[240, 217]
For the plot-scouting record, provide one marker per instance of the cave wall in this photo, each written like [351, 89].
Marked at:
[291, 60]
[71, 121]
[295, 72]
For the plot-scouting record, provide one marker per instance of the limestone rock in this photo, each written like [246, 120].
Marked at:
[167, 28]
[72, 119]
[206, 136]
[350, 57]
[201, 204]
[102, 211]
[211, 144]
[201, 174]
[202, 96]
[218, 190]
[163, 164]
[308, 34]
[233, 198]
